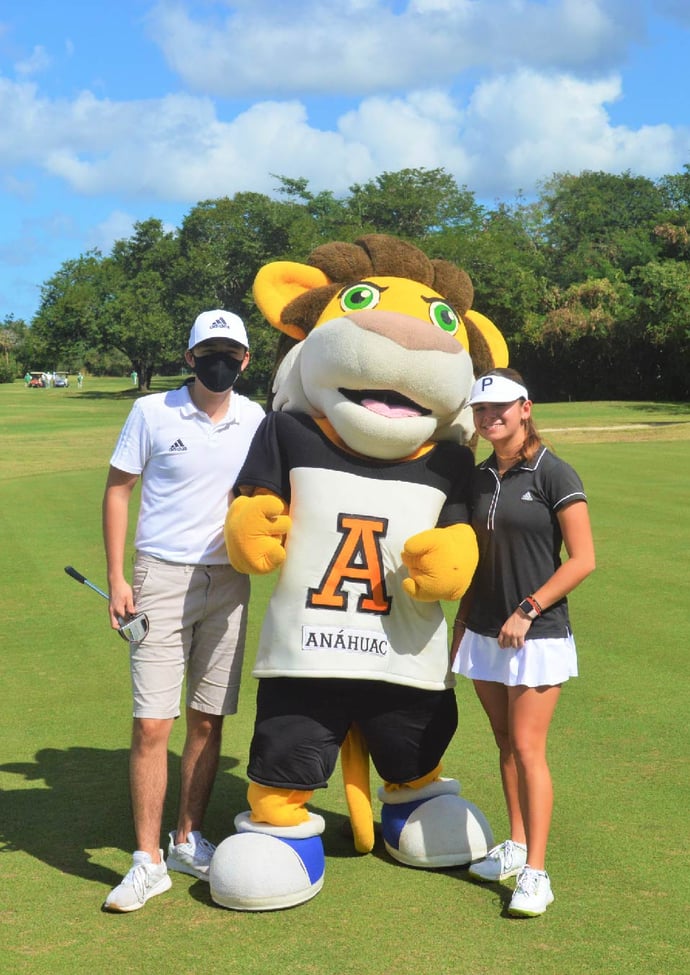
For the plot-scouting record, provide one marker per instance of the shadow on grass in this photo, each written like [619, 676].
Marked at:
[118, 394]
[337, 841]
[681, 410]
[81, 804]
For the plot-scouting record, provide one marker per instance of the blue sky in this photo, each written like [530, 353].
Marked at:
[115, 112]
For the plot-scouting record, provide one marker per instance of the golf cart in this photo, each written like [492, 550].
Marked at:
[60, 379]
[37, 381]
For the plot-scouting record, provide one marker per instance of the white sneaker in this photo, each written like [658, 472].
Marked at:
[192, 857]
[145, 879]
[505, 860]
[533, 893]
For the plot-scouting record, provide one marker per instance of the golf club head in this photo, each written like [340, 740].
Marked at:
[134, 629]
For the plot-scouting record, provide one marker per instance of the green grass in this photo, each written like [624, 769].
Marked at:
[619, 751]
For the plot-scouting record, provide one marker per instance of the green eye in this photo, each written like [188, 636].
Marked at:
[442, 314]
[360, 297]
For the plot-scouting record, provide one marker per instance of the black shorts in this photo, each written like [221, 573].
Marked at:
[302, 722]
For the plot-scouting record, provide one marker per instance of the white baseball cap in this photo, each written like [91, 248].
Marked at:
[218, 324]
[496, 389]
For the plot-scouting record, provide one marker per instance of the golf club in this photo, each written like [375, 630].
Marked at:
[134, 629]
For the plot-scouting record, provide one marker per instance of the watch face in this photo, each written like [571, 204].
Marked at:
[528, 609]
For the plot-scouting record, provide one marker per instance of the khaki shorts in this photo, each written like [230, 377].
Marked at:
[197, 626]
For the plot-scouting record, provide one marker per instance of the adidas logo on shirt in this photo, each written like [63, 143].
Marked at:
[177, 447]
[527, 496]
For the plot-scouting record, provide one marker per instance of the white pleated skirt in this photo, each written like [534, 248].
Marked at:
[539, 663]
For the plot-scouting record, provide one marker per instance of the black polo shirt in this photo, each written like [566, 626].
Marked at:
[519, 540]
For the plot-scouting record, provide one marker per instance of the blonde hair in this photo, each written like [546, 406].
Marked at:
[532, 441]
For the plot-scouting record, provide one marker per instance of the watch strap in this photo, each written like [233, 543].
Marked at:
[530, 607]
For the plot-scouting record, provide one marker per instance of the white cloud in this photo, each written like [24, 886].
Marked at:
[178, 149]
[361, 48]
[424, 129]
[509, 132]
[38, 62]
[524, 127]
[118, 225]
[499, 93]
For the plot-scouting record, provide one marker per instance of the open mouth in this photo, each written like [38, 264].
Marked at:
[385, 402]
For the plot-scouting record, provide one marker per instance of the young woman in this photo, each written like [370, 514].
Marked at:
[512, 634]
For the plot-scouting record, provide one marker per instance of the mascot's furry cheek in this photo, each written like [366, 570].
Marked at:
[288, 391]
[460, 429]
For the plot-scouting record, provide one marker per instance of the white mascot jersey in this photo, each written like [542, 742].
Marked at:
[339, 609]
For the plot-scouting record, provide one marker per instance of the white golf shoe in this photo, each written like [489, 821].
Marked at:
[145, 879]
[533, 893]
[193, 857]
[503, 861]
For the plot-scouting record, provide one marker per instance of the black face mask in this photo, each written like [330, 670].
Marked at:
[217, 371]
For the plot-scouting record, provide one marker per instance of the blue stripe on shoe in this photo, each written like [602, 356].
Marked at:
[310, 852]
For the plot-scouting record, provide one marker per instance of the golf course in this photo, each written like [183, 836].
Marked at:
[619, 748]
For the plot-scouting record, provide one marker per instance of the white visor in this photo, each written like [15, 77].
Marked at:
[496, 389]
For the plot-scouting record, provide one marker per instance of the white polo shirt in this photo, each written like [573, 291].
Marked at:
[188, 466]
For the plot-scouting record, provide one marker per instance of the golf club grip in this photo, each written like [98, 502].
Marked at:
[71, 571]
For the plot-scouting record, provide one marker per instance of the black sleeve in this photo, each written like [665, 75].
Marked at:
[561, 483]
[265, 465]
[456, 510]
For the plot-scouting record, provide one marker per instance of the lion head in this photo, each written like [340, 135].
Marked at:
[380, 341]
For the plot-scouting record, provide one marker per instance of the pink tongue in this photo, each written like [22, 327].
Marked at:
[376, 406]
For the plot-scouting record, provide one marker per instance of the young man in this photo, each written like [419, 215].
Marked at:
[188, 446]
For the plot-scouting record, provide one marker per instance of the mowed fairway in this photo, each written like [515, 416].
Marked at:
[620, 754]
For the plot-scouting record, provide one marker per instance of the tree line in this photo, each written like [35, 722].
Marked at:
[589, 281]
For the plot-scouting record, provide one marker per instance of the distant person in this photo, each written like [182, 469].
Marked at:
[188, 446]
[134, 378]
[80, 380]
[512, 632]
[27, 378]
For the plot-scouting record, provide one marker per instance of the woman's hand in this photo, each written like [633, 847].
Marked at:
[514, 630]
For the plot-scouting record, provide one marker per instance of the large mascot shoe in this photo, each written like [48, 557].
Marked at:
[267, 868]
[433, 827]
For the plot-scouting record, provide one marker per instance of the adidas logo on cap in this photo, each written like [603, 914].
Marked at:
[218, 324]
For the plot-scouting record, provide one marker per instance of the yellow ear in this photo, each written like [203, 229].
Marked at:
[279, 283]
[494, 339]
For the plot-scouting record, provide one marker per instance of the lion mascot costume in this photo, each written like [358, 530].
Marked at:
[355, 489]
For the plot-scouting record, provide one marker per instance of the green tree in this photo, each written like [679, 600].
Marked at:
[139, 318]
[14, 357]
[222, 244]
[582, 347]
[71, 306]
[315, 218]
[121, 303]
[672, 230]
[502, 258]
[413, 203]
[675, 189]
[598, 223]
[663, 316]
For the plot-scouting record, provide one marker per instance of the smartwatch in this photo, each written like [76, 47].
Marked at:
[530, 607]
